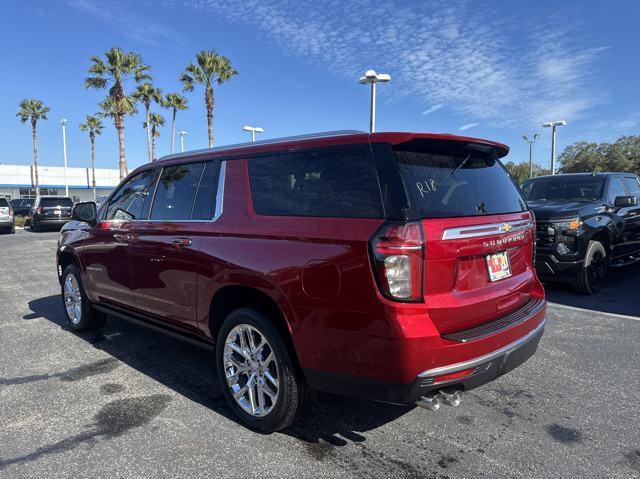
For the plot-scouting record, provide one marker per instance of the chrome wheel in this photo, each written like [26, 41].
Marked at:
[72, 299]
[251, 370]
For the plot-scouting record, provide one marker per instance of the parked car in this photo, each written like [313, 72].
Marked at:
[22, 206]
[50, 211]
[7, 219]
[585, 223]
[394, 267]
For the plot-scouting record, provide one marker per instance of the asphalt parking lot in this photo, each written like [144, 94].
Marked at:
[127, 402]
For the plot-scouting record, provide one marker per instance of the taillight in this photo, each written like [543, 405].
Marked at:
[10, 211]
[397, 250]
[40, 211]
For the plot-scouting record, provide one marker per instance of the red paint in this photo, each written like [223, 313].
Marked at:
[347, 327]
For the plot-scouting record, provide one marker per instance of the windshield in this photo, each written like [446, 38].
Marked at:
[457, 183]
[582, 189]
[53, 202]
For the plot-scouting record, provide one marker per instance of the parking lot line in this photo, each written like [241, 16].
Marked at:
[591, 312]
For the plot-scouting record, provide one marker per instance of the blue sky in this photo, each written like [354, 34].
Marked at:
[487, 69]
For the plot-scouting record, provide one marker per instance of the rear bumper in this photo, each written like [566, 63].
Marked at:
[51, 221]
[549, 267]
[486, 368]
[6, 223]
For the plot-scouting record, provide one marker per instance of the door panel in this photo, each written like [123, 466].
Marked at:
[106, 259]
[164, 271]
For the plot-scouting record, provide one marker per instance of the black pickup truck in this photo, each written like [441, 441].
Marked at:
[585, 224]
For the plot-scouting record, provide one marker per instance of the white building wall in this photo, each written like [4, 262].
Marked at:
[15, 177]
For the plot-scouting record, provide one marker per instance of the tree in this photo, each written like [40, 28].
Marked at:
[94, 126]
[520, 171]
[118, 68]
[209, 68]
[175, 102]
[585, 157]
[145, 94]
[33, 111]
[155, 122]
[109, 110]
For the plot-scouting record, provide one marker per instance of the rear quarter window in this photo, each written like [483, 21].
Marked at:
[332, 183]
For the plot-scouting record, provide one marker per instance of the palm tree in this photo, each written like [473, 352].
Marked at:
[94, 126]
[175, 102]
[145, 94]
[33, 111]
[119, 67]
[209, 68]
[155, 122]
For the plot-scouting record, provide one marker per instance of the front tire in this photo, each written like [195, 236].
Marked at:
[592, 276]
[80, 313]
[256, 372]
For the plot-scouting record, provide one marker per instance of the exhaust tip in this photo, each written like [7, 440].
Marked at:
[451, 398]
[432, 402]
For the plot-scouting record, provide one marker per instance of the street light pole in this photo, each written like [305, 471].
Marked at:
[372, 77]
[531, 142]
[63, 122]
[253, 130]
[553, 125]
[182, 134]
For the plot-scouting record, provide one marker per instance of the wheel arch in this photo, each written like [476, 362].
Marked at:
[232, 297]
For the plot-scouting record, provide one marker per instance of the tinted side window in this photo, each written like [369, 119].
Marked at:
[204, 205]
[132, 199]
[632, 185]
[176, 191]
[339, 183]
[615, 189]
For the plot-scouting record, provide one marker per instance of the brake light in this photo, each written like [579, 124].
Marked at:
[40, 211]
[397, 252]
[10, 211]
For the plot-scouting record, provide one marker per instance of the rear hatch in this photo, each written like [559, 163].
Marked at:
[56, 208]
[478, 233]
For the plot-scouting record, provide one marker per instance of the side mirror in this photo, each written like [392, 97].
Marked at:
[85, 211]
[622, 201]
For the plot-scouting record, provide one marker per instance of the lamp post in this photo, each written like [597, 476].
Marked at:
[63, 122]
[531, 142]
[253, 130]
[553, 125]
[182, 134]
[372, 77]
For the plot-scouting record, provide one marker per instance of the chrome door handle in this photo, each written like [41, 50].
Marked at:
[182, 242]
[122, 237]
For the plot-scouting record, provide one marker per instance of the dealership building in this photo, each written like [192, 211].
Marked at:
[18, 181]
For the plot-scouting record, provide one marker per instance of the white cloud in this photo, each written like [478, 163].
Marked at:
[467, 126]
[432, 109]
[483, 66]
[136, 27]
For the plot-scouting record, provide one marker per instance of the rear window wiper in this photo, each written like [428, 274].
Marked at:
[462, 163]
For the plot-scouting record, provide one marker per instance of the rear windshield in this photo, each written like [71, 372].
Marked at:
[567, 188]
[457, 183]
[52, 202]
[3, 203]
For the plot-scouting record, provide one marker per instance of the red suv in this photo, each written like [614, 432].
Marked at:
[396, 267]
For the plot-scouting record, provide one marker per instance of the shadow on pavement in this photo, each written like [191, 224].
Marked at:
[620, 294]
[190, 371]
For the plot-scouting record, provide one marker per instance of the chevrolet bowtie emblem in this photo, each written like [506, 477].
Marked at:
[506, 227]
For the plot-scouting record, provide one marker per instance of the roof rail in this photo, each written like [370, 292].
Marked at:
[311, 136]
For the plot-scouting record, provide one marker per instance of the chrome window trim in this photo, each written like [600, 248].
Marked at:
[453, 368]
[492, 229]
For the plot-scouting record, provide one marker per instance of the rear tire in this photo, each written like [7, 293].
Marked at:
[272, 378]
[592, 276]
[80, 313]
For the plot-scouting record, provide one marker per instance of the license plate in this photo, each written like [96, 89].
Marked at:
[498, 266]
[57, 212]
